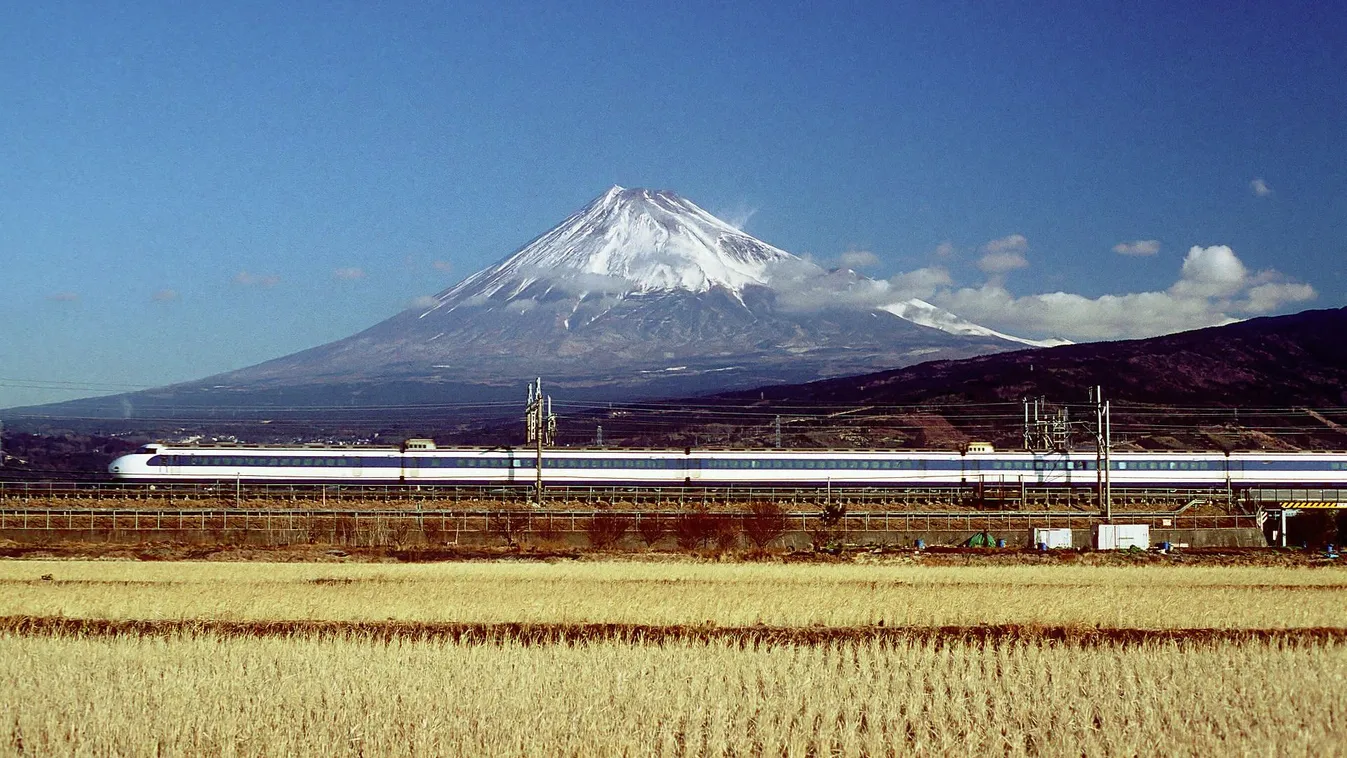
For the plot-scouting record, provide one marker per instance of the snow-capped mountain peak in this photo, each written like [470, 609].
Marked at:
[634, 242]
[630, 241]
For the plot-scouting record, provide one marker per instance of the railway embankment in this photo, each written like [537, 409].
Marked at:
[596, 529]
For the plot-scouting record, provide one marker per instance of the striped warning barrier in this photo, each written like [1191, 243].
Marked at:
[1308, 505]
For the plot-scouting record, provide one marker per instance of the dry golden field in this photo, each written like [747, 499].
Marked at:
[211, 695]
[670, 593]
[204, 661]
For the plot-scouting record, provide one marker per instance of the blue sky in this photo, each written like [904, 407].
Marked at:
[187, 189]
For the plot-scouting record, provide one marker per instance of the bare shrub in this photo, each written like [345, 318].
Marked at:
[694, 529]
[606, 528]
[435, 529]
[766, 522]
[652, 529]
[507, 525]
[725, 531]
[545, 528]
[345, 529]
[399, 530]
[827, 532]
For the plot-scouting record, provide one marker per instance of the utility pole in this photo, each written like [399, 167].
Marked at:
[541, 425]
[1103, 449]
[1108, 464]
[598, 436]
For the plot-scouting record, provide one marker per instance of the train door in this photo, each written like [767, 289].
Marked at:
[692, 467]
[357, 467]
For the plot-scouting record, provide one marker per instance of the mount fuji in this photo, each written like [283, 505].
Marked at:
[640, 294]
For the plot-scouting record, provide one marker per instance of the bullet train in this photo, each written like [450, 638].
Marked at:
[420, 461]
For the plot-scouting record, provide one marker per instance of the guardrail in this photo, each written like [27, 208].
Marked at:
[547, 521]
[1276, 497]
[453, 496]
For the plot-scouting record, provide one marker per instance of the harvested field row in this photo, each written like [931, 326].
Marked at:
[211, 695]
[685, 594]
[642, 634]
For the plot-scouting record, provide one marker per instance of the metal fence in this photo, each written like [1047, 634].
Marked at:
[451, 497]
[544, 521]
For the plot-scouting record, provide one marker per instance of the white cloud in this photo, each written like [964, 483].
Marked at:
[999, 264]
[63, 297]
[1014, 243]
[1211, 272]
[1001, 256]
[1063, 314]
[1266, 298]
[256, 280]
[920, 284]
[1214, 287]
[424, 301]
[1260, 188]
[165, 296]
[944, 250]
[349, 273]
[737, 217]
[444, 266]
[858, 259]
[1137, 247]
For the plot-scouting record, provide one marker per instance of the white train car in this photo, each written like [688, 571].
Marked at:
[420, 461]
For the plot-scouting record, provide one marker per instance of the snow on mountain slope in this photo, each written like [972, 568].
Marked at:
[627, 241]
[639, 241]
[923, 313]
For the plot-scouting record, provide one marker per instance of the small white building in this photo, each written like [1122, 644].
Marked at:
[1123, 536]
[1052, 538]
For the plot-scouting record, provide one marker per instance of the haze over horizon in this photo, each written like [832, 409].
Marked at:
[193, 189]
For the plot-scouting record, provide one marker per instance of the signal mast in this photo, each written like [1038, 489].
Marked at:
[541, 425]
